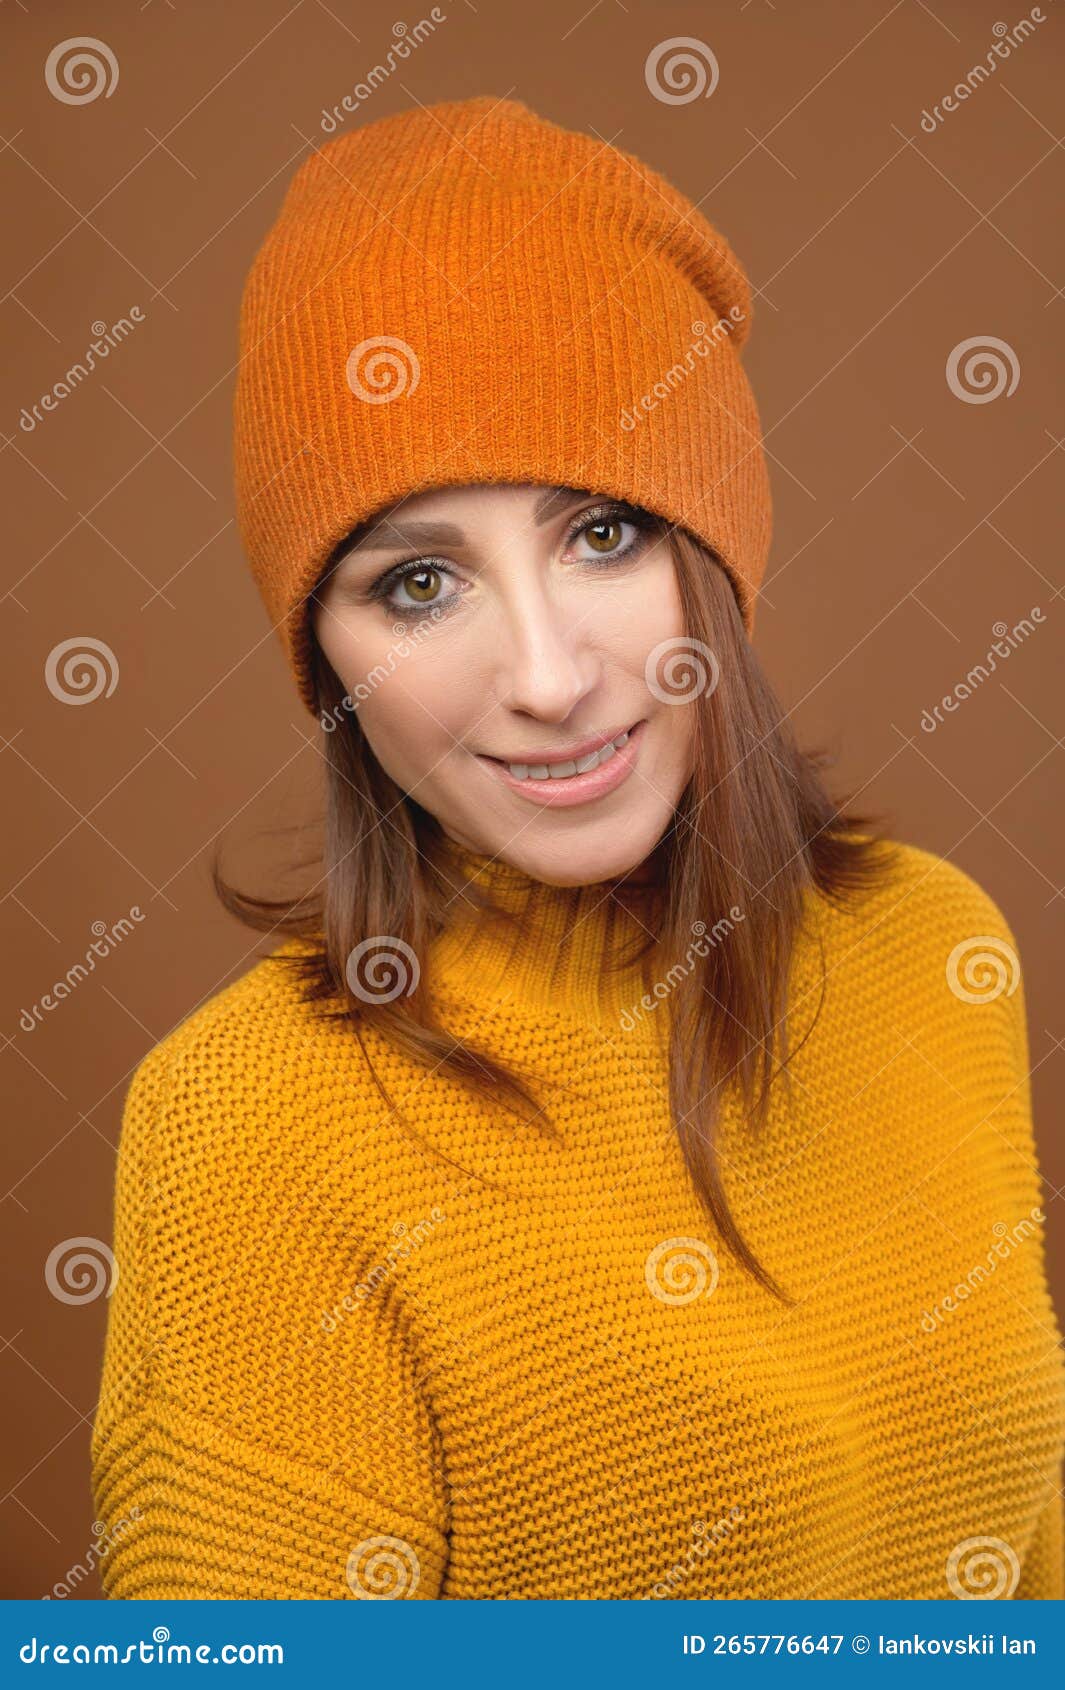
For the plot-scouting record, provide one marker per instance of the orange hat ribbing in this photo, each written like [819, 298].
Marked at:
[467, 292]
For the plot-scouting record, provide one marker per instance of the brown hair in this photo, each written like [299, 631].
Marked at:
[775, 835]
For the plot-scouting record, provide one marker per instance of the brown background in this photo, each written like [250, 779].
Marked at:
[908, 521]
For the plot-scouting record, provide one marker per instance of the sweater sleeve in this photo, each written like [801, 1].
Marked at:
[1043, 1567]
[1043, 1572]
[247, 1441]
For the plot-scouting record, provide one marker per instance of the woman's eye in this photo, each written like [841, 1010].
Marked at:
[419, 585]
[606, 536]
[418, 589]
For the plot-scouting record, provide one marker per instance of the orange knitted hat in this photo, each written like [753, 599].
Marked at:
[467, 292]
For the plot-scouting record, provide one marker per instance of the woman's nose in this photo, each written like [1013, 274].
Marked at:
[546, 664]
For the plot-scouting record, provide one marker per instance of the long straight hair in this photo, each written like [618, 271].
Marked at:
[754, 828]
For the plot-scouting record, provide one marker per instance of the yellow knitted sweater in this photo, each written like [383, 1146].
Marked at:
[337, 1366]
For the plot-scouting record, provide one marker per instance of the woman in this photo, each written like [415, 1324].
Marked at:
[621, 1180]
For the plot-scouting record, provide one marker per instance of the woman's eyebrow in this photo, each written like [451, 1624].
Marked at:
[388, 532]
[394, 531]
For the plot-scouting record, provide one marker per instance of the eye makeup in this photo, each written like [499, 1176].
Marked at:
[613, 512]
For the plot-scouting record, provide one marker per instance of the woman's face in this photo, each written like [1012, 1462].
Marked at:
[477, 627]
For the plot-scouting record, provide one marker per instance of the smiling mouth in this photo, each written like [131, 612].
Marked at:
[567, 770]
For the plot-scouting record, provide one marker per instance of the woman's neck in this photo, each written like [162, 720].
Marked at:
[558, 957]
[495, 871]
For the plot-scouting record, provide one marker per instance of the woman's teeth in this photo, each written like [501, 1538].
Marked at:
[559, 771]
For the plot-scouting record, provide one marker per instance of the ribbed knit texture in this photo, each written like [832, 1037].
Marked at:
[537, 290]
[527, 1395]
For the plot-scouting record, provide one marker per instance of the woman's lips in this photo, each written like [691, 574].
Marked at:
[577, 789]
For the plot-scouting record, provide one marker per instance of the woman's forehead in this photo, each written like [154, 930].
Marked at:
[547, 496]
[462, 502]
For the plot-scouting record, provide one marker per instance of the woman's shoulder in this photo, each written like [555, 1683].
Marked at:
[255, 1124]
[926, 960]
[920, 900]
[264, 1002]
[922, 950]
[255, 1061]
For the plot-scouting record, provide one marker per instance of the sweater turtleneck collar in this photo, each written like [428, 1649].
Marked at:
[558, 959]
